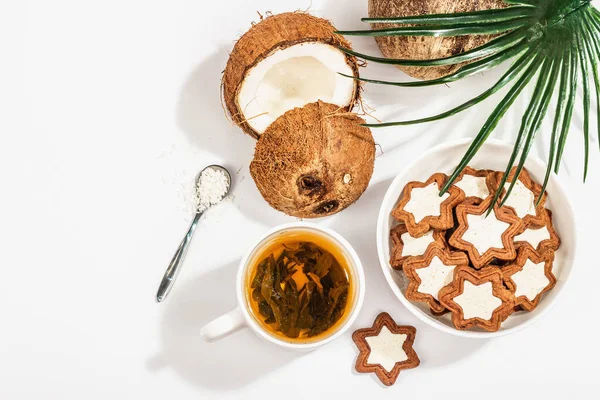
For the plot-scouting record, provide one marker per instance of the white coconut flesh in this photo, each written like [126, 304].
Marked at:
[293, 77]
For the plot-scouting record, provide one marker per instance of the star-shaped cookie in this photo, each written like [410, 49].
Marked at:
[422, 208]
[406, 247]
[427, 275]
[385, 349]
[530, 276]
[540, 239]
[485, 237]
[477, 298]
[523, 197]
[476, 183]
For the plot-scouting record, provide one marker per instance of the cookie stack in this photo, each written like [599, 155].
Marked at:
[481, 266]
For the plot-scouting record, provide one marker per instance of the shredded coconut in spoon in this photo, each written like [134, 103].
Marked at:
[212, 186]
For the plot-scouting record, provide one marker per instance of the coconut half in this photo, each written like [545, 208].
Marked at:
[313, 161]
[283, 62]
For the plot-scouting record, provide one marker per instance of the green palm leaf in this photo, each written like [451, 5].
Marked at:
[526, 123]
[492, 122]
[547, 84]
[593, 52]
[489, 28]
[473, 68]
[554, 39]
[562, 140]
[583, 61]
[495, 45]
[508, 77]
[559, 115]
[530, 3]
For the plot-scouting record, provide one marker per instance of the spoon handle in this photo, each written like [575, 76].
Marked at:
[171, 273]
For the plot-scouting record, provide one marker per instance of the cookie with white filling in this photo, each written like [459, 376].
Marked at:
[530, 276]
[405, 246]
[478, 298]
[485, 237]
[429, 274]
[385, 349]
[523, 198]
[477, 183]
[422, 208]
[540, 239]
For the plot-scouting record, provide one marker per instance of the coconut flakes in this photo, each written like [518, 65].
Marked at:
[212, 186]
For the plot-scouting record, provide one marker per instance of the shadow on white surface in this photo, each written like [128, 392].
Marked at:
[227, 364]
[442, 348]
[201, 116]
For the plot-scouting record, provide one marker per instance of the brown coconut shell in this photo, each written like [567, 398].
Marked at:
[313, 161]
[273, 33]
[424, 48]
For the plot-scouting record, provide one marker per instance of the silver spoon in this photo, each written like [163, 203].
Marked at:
[171, 273]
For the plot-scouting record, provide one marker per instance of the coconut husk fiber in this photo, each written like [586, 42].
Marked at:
[313, 161]
[424, 48]
[266, 37]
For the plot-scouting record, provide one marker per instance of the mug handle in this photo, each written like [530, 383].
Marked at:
[223, 325]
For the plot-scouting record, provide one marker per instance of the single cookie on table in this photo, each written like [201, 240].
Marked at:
[485, 237]
[523, 197]
[427, 275]
[530, 277]
[405, 246]
[385, 349]
[478, 298]
[421, 207]
[539, 239]
[478, 183]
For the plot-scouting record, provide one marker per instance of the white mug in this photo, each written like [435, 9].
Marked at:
[241, 315]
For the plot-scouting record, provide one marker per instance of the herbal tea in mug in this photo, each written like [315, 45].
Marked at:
[299, 286]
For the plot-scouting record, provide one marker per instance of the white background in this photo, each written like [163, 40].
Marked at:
[108, 109]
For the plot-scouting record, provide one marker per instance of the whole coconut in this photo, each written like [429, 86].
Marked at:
[313, 161]
[427, 47]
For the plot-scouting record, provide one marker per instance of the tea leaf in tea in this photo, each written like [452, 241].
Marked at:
[301, 293]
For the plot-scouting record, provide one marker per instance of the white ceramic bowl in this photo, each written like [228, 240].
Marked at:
[493, 154]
